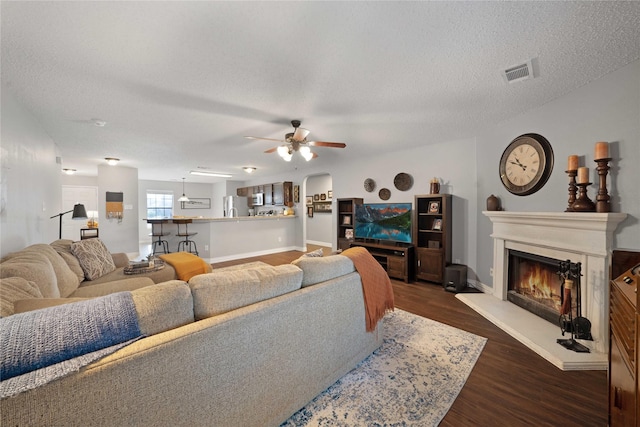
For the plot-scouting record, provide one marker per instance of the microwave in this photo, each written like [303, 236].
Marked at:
[257, 199]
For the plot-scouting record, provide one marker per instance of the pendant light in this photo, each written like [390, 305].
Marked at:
[183, 198]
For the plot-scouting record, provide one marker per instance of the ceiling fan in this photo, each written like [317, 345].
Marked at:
[297, 141]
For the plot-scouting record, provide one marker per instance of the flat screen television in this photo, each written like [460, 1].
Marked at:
[383, 221]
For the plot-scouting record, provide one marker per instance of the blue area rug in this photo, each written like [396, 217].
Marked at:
[411, 380]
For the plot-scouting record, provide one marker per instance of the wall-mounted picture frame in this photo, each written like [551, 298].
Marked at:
[296, 194]
[310, 211]
[316, 197]
[323, 196]
[309, 200]
[195, 203]
[348, 233]
[330, 194]
[434, 207]
[322, 207]
[437, 224]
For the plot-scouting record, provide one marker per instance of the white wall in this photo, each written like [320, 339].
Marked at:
[605, 110]
[320, 230]
[30, 179]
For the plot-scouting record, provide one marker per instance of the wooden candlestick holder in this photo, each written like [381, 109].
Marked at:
[573, 189]
[583, 203]
[602, 198]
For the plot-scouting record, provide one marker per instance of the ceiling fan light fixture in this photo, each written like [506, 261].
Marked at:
[306, 153]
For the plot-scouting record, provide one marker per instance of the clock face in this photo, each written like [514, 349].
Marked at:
[526, 164]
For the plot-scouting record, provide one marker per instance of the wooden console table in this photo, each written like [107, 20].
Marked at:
[89, 233]
[396, 260]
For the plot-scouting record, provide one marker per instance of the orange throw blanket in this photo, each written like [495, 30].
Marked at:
[186, 264]
[376, 286]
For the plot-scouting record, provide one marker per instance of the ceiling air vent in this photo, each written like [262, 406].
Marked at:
[519, 72]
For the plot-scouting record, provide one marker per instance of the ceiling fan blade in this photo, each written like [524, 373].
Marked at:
[264, 139]
[327, 144]
[300, 134]
[271, 150]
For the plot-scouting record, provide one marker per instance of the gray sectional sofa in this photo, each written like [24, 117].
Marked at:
[244, 346]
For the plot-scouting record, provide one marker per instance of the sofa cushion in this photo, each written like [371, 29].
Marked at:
[107, 288]
[165, 274]
[219, 292]
[13, 289]
[63, 248]
[24, 305]
[318, 269]
[164, 306]
[67, 280]
[94, 258]
[34, 267]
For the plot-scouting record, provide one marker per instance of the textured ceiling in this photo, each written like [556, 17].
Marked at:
[180, 83]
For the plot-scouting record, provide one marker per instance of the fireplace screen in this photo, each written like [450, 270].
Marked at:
[534, 284]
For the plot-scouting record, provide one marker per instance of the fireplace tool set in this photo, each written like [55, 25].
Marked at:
[579, 327]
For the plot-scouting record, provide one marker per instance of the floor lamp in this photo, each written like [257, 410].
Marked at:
[79, 212]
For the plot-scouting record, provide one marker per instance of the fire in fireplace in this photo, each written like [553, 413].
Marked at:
[534, 285]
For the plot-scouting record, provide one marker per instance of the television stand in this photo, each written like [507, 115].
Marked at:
[396, 259]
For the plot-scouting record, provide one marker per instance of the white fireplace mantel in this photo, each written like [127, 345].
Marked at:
[576, 236]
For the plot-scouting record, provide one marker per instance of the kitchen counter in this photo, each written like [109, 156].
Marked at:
[230, 238]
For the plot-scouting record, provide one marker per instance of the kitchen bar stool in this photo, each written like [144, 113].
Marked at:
[157, 230]
[186, 244]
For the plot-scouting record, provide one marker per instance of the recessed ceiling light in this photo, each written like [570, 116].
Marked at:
[249, 169]
[69, 171]
[112, 160]
[216, 174]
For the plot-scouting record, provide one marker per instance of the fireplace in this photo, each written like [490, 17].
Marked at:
[534, 284]
[577, 237]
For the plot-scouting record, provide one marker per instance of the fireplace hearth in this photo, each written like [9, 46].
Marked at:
[577, 237]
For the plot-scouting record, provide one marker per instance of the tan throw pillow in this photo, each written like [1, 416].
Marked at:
[94, 258]
[13, 289]
[63, 247]
[316, 253]
[33, 267]
[67, 279]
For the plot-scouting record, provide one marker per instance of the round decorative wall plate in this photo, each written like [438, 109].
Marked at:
[369, 185]
[384, 193]
[403, 181]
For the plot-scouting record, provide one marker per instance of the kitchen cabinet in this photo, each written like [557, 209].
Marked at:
[275, 194]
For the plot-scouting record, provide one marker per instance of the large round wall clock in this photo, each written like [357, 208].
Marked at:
[526, 164]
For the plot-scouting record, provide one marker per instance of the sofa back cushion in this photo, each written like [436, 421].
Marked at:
[320, 269]
[63, 247]
[33, 267]
[164, 306]
[14, 289]
[67, 280]
[94, 258]
[219, 292]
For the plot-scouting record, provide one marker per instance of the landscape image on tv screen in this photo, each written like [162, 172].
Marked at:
[383, 221]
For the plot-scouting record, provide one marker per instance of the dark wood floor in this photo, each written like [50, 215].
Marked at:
[510, 384]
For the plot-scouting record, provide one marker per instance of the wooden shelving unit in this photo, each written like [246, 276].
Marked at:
[432, 235]
[346, 218]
